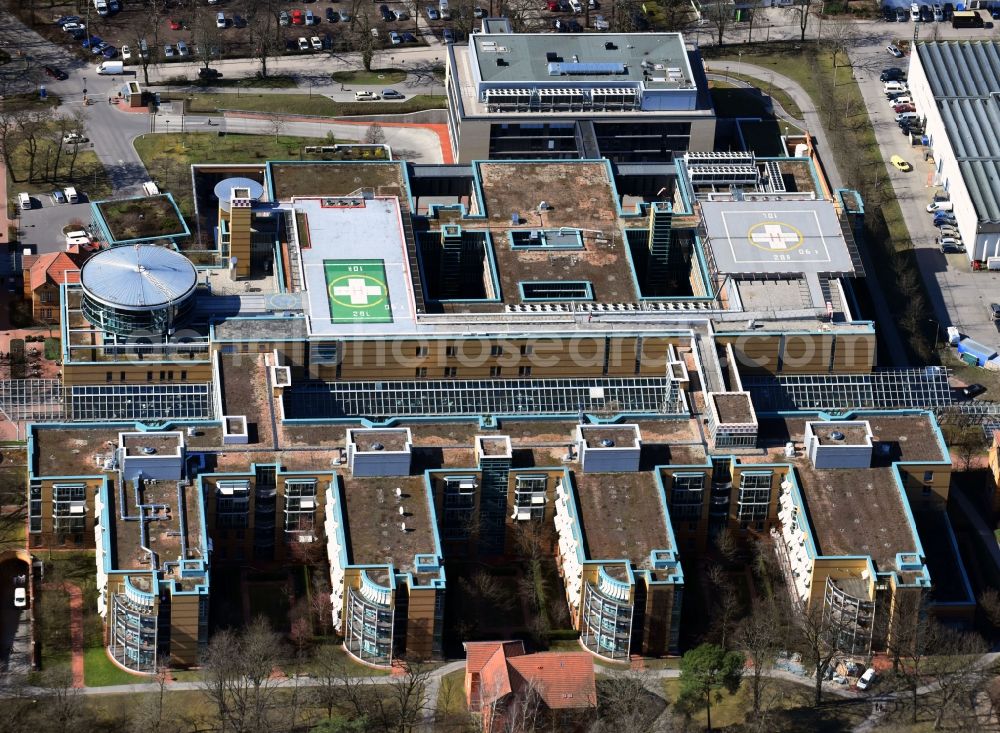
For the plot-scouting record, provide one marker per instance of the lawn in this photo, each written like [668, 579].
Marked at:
[859, 158]
[99, 671]
[89, 176]
[791, 708]
[777, 93]
[373, 77]
[142, 218]
[303, 104]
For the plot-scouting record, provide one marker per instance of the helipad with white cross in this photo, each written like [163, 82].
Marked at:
[776, 237]
[355, 267]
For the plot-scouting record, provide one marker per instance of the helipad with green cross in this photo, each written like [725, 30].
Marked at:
[358, 291]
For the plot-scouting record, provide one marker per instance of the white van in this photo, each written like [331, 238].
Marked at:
[111, 67]
[915, 12]
[24, 201]
[906, 116]
[150, 188]
[576, 6]
[867, 679]
[939, 206]
[365, 96]
[892, 87]
[71, 197]
[443, 8]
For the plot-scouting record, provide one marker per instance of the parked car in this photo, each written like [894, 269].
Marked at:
[409, 38]
[365, 96]
[317, 45]
[599, 23]
[949, 248]
[297, 17]
[331, 15]
[973, 390]
[310, 18]
[950, 241]
[478, 12]
[67, 19]
[182, 49]
[109, 52]
[220, 20]
[345, 17]
[938, 12]
[20, 597]
[58, 196]
[96, 48]
[239, 21]
[303, 43]
[901, 16]
[944, 218]
[56, 73]
[574, 26]
[126, 53]
[392, 94]
[894, 50]
[940, 206]
[387, 15]
[175, 25]
[208, 74]
[893, 73]
[394, 38]
[284, 18]
[900, 108]
[74, 26]
[432, 13]
[168, 51]
[900, 99]
[401, 14]
[995, 311]
[449, 35]
[888, 14]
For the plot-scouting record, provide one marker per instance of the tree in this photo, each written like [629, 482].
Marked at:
[238, 675]
[719, 15]
[148, 31]
[364, 41]
[264, 32]
[625, 703]
[374, 135]
[706, 670]
[760, 636]
[277, 124]
[727, 606]
[812, 633]
[803, 7]
[961, 671]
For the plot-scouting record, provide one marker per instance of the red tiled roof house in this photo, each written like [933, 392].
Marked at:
[498, 671]
[43, 274]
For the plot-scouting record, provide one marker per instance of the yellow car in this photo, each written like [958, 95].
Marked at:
[900, 164]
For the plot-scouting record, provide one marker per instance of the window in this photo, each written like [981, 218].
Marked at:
[451, 351]
[926, 491]
[421, 351]
[524, 371]
[928, 476]
[687, 496]
[184, 375]
[557, 290]
[451, 371]
[496, 350]
[149, 376]
[496, 371]
[526, 349]
[46, 314]
[107, 376]
[421, 372]
[754, 498]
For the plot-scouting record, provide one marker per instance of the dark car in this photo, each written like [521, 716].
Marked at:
[91, 41]
[449, 35]
[995, 12]
[901, 15]
[68, 19]
[109, 52]
[639, 22]
[574, 26]
[948, 9]
[291, 44]
[331, 16]
[409, 38]
[208, 74]
[888, 14]
[327, 42]
[995, 311]
[387, 15]
[239, 21]
[56, 73]
[893, 73]
[973, 390]
[926, 14]
[948, 248]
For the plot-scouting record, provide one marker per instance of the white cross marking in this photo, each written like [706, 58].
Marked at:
[358, 290]
[775, 237]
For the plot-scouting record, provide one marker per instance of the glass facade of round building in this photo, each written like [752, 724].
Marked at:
[141, 290]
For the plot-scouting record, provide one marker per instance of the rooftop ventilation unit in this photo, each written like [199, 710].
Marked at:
[836, 435]
[607, 443]
[378, 446]
[575, 68]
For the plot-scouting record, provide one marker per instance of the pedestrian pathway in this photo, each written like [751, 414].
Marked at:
[75, 628]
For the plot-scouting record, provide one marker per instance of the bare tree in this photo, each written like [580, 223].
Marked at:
[961, 672]
[238, 676]
[63, 709]
[277, 124]
[148, 31]
[803, 8]
[760, 636]
[719, 15]
[811, 631]
[264, 32]
[153, 715]
[364, 41]
[625, 702]
[727, 606]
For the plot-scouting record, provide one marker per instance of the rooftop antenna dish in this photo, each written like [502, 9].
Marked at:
[402, 511]
[399, 492]
[402, 526]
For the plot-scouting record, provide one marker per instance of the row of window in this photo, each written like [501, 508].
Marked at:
[495, 371]
[495, 350]
[166, 375]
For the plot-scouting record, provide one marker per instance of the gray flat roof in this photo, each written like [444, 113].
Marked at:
[776, 237]
[526, 58]
[964, 76]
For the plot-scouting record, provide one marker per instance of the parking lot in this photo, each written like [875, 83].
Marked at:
[960, 296]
